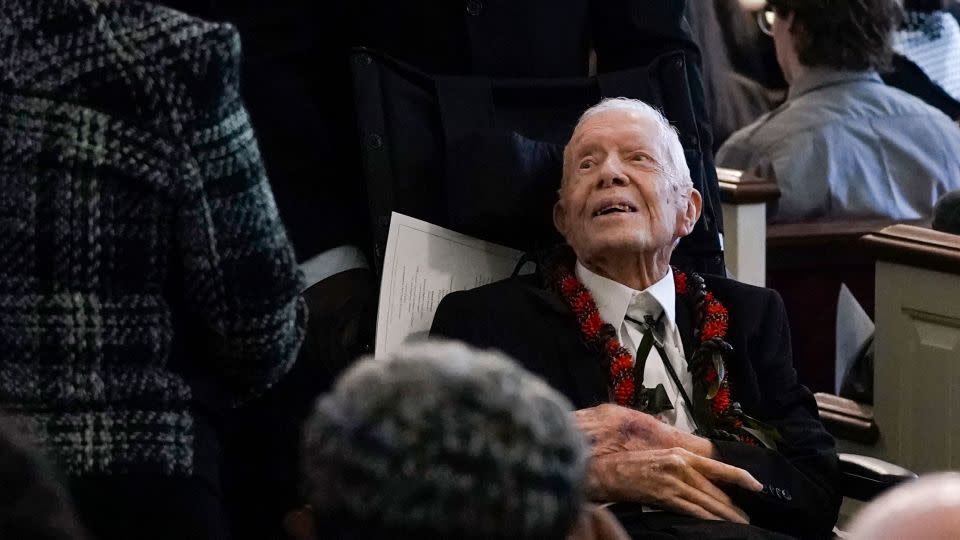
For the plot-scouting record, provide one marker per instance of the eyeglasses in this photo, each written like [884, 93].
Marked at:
[765, 18]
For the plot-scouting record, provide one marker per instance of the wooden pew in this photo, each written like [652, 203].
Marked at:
[744, 200]
[806, 264]
[917, 363]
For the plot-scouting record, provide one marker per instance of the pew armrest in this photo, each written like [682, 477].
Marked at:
[744, 202]
[737, 188]
[916, 246]
[847, 419]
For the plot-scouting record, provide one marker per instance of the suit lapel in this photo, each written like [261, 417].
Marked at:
[551, 300]
[582, 367]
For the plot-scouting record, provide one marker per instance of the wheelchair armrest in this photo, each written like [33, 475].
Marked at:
[864, 477]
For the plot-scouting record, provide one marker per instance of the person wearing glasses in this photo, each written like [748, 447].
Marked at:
[844, 145]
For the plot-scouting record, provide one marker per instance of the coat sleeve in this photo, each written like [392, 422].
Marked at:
[242, 282]
[799, 479]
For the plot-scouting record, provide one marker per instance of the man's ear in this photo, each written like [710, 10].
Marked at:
[560, 217]
[690, 214]
[299, 524]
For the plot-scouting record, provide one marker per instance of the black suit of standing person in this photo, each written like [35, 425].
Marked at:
[710, 422]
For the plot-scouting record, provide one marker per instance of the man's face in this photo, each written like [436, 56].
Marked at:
[617, 199]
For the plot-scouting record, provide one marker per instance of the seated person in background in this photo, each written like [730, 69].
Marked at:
[946, 213]
[844, 144]
[709, 422]
[146, 281]
[442, 441]
[35, 505]
[926, 508]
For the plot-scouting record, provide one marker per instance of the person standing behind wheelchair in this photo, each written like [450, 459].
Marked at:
[146, 284]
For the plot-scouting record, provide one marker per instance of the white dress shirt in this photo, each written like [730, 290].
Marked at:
[614, 302]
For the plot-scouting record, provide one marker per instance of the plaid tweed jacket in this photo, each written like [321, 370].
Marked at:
[143, 266]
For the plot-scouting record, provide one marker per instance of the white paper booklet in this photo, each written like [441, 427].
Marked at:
[424, 262]
[854, 328]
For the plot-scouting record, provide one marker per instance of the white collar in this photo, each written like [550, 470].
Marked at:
[613, 299]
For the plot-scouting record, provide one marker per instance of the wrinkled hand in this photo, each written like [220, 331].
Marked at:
[673, 479]
[597, 523]
[611, 428]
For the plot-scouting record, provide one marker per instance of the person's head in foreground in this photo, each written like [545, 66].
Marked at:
[927, 508]
[440, 440]
[849, 35]
[626, 197]
[34, 504]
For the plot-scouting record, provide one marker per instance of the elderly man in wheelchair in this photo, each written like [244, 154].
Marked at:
[684, 383]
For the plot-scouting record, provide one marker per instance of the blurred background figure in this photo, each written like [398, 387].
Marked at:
[733, 99]
[844, 144]
[442, 441]
[34, 504]
[927, 508]
[946, 213]
[751, 52]
[923, 38]
[146, 282]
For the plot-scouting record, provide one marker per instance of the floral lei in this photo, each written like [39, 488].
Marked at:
[716, 414]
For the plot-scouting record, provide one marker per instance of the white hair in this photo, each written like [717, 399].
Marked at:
[675, 169]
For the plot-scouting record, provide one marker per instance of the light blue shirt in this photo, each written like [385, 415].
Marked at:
[845, 145]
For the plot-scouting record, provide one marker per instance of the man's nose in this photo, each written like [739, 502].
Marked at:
[612, 174]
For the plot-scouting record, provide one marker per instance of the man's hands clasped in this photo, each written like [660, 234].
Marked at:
[638, 458]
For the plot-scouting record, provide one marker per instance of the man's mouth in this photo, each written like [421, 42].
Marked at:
[616, 208]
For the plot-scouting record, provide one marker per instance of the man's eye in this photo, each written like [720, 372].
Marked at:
[586, 164]
[641, 157]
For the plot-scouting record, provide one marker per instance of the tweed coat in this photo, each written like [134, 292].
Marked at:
[145, 277]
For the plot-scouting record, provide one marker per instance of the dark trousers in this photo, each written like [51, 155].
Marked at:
[149, 507]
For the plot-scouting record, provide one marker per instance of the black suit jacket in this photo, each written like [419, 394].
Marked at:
[534, 326]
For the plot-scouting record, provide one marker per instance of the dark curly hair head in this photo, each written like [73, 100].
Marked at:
[842, 34]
